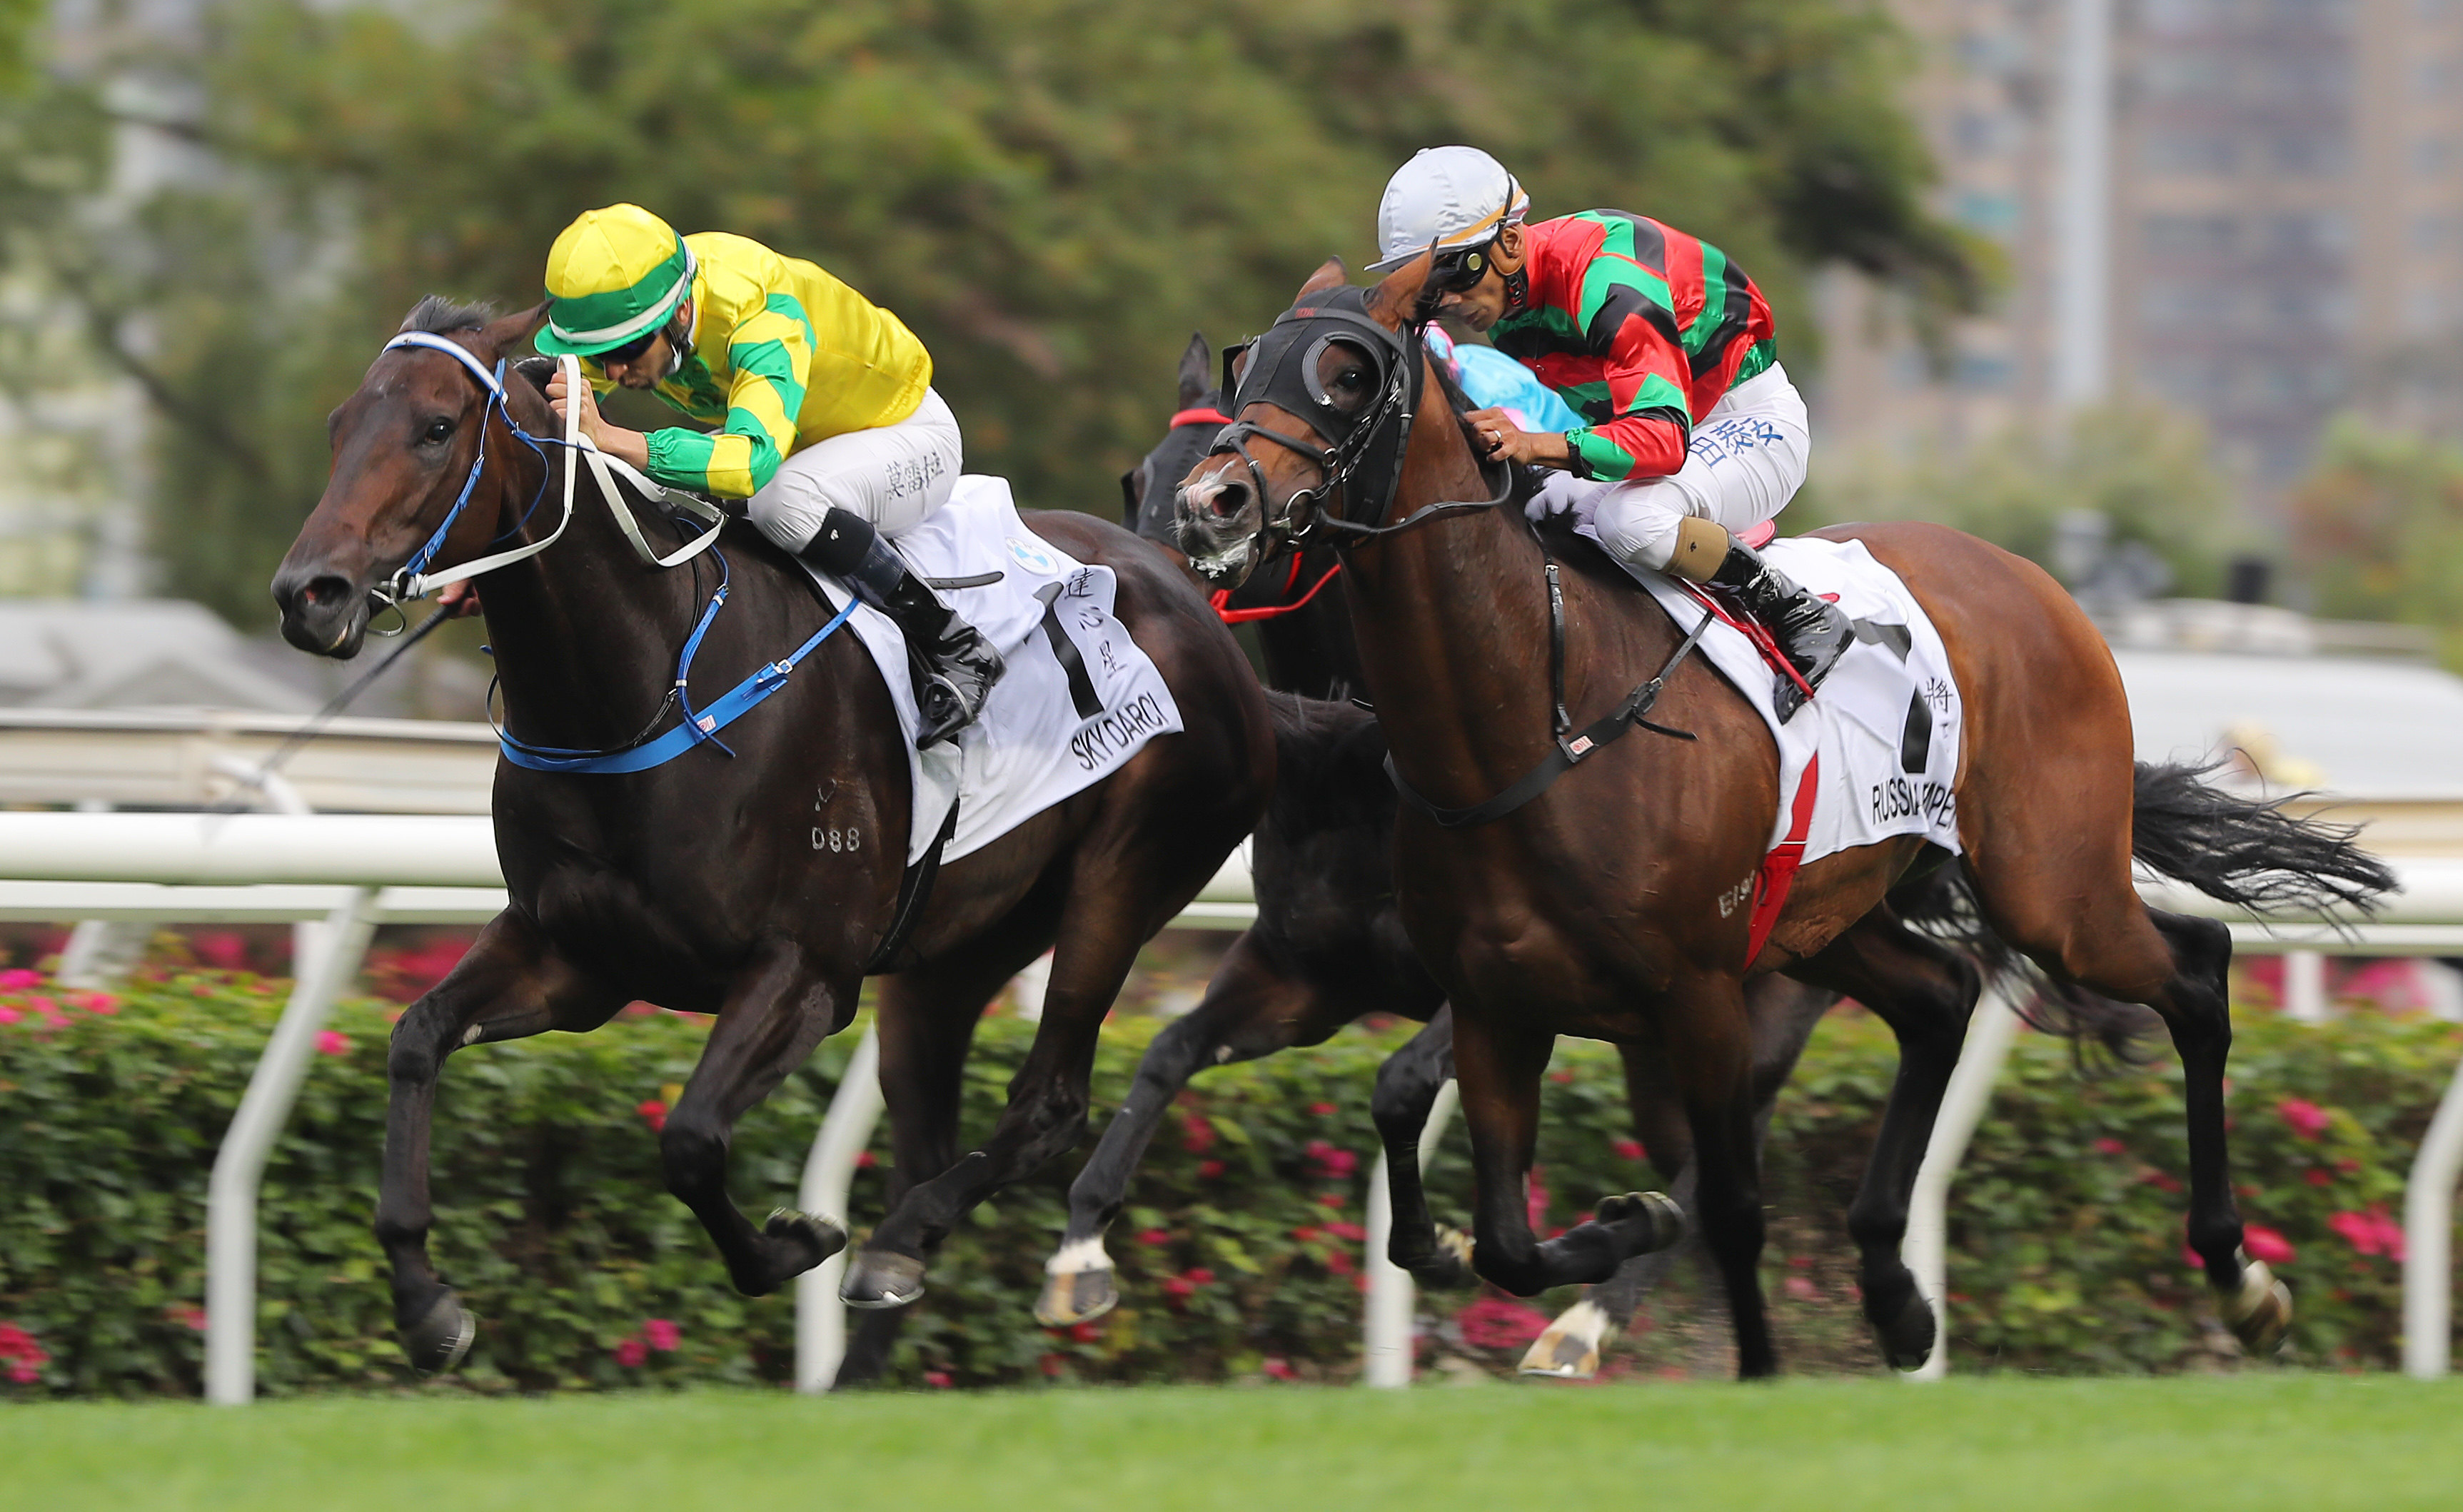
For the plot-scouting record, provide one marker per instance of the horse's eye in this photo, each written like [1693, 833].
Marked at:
[439, 432]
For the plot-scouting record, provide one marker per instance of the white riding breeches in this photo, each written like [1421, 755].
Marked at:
[1746, 460]
[893, 476]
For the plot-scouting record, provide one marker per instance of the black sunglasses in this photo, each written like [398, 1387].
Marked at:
[1459, 271]
[632, 351]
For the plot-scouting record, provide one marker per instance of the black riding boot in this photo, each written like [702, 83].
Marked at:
[1812, 632]
[953, 664]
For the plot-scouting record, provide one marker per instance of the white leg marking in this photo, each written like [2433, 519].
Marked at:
[1078, 1255]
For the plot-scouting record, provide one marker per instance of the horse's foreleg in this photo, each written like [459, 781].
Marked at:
[1925, 991]
[1407, 1085]
[1710, 1054]
[1499, 1069]
[510, 984]
[1783, 1013]
[928, 1020]
[776, 1012]
[1047, 1098]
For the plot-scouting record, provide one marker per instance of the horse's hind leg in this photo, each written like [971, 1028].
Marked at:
[1253, 1008]
[1925, 991]
[2079, 918]
[1783, 1013]
[778, 1010]
[1407, 1085]
[511, 984]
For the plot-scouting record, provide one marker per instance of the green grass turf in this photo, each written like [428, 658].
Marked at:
[2304, 1442]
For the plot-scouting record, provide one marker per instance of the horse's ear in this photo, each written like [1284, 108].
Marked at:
[515, 330]
[1196, 370]
[1330, 275]
[1403, 294]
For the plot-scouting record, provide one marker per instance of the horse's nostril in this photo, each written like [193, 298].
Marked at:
[1229, 499]
[324, 591]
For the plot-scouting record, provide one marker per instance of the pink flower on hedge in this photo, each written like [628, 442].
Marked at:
[653, 1113]
[100, 1003]
[938, 1380]
[631, 1354]
[1208, 1170]
[1330, 1162]
[1321, 1109]
[2305, 1118]
[1801, 1288]
[1329, 1199]
[9, 1014]
[864, 1159]
[1157, 1238]
[2318, 1176]
[1628, 1150]
[25, 1358]
[1306, 1235]
[661, 1334]
[192, 1319]
[2264, 1244]
[2109, 1146]
[1278, 1369]
[1348, 1231]
[1198, 1276]
[1340, 1262]
[2370, 1233]
[1494, 1322]
[1196, 1135]
[17, 979]
[333, 1042]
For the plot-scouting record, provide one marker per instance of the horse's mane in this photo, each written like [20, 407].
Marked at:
[1330, 766]
[439, 316]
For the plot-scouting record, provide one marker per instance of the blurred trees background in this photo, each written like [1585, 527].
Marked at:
[1054, 193]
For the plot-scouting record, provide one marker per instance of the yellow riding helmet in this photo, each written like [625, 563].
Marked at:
[611, 275]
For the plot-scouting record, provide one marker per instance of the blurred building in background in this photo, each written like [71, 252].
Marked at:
[2283, 195]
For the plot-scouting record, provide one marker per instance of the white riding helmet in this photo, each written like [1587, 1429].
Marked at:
[1449, 196]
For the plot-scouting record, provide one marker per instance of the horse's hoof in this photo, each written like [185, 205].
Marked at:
[1078, 1297]
[820, 1238]
[876, 1280]
[1907, 1339]
[441, 1337]
[1665, 1218]
[1447, 1267]
[2258, 1312]
[1569, 1351]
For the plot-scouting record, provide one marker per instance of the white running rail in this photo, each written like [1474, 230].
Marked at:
[353, 871]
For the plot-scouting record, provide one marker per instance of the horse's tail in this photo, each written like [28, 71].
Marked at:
[1943, 903]
[2243, 851]
[2247, 851]
[1329, 763]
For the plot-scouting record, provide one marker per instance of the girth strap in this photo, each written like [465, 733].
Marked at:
[914, 891]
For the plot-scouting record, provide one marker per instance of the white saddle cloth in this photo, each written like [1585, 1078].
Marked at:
[1078, 699]
[1885, 724]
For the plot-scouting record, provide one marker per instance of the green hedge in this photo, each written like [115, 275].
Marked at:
[1239, 1253]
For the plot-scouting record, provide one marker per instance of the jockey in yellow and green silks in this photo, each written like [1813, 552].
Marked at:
[826, 420]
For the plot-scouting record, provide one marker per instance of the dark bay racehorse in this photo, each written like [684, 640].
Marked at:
[703, 884]
[1302, 627]
[1328, 947]
[1591, 910]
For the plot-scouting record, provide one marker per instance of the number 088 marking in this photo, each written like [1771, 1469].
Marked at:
[840, 841]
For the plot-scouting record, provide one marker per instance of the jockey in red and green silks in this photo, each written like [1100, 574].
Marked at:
[1667, 351]
[821, 406]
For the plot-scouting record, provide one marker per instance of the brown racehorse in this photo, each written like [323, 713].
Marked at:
[1591, 910]
[700, 883]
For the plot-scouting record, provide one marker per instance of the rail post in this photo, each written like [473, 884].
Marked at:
[2428, 1239]
[1990, 1031]
[239, 1166]
[820, 1316]
[1386, 1329]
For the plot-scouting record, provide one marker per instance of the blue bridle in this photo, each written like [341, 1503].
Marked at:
[643, 751]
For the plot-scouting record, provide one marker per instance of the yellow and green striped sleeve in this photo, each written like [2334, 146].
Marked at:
[772, 358]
